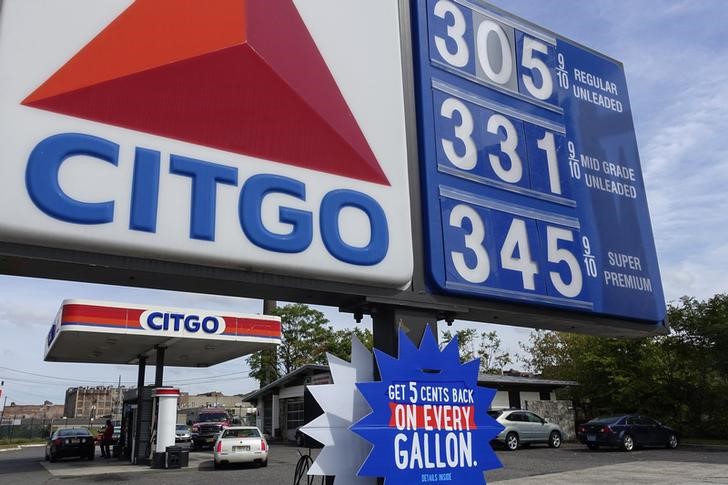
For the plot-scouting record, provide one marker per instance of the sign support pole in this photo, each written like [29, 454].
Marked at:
[140, 405]
[159, 375]
[388, 320]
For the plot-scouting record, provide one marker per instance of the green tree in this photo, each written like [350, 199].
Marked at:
[680, 378]
[466, 342]
[306, 337]
[493, 359]
[486, 346]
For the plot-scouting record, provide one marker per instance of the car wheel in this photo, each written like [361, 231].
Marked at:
[264, 463]
[592, 446]
[512, 441]
[52, 457]
[91, 456]
[672, 441]
[555, 439]
[217, 465]
[627, 442]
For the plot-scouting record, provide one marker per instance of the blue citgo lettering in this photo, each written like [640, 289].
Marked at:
[369, 255]
[192, 323]
[175, 319]
[251, 219]
[213, 328]
[205, 177]
[152, 324]
[145, 191]
[41, 177]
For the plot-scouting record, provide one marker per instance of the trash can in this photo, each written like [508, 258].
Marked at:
[174, 457]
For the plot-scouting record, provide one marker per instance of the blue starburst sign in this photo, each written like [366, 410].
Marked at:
[429, 420]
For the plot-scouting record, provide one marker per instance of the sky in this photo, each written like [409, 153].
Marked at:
[675, 58]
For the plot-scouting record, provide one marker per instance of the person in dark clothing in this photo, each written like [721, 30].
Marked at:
[106, 439]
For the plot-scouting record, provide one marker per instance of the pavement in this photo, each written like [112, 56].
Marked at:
[570, 464]
[101, 466]
[638, 472]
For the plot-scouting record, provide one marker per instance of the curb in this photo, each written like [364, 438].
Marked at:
[4, 450]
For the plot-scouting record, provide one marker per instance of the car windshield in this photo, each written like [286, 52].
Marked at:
[181, 427]
[494, 413]
[212, 417]
[241, 433]
[605, 419]
[65, 433]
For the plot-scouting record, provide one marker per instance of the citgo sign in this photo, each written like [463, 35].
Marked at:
[241, 134]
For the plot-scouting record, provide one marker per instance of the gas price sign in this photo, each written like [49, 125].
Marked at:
[532, 184]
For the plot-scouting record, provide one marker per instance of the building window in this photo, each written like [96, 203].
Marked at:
[545, 396]
[294, 416]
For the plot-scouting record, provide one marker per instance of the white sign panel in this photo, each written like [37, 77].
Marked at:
[262, 136]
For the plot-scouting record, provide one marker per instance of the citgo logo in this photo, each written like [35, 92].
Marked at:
[222, 76]
[159, 321]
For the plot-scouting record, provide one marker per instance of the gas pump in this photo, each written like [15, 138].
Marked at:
[137, 427]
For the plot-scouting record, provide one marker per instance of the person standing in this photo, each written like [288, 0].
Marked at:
[106, 439]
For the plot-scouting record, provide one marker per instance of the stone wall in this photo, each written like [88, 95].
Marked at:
[559, 412]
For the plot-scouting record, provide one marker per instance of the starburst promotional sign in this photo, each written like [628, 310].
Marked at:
[427, 422]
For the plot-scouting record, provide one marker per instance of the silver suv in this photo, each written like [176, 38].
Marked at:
[525, 427]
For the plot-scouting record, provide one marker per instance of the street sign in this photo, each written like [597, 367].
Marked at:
[261, 137]
[532, 186]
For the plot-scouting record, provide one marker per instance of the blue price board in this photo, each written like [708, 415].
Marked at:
[532, 186]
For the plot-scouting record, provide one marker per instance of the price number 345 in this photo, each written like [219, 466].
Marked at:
[516, 254]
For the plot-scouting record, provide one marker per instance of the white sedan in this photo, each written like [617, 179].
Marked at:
[241, 444]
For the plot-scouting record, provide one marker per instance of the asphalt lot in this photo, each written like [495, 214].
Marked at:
[571, 463]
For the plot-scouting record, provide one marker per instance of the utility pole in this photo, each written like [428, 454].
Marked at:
[2, 414]
[118, 397]
[269, 306]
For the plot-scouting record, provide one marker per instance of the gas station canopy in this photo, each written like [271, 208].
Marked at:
[111, 333]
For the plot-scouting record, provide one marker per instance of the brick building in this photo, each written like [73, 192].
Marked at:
[92, 402]
[47, 410]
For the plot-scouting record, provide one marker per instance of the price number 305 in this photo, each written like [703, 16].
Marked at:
[470, 41]
[499, 250]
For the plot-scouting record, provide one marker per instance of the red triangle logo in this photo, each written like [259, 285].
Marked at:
[243, 76]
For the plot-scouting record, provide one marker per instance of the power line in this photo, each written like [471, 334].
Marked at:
[66, 381]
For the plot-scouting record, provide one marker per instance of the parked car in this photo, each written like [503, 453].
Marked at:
[241, 444]
[524, 428]
[182, 433]
[70, 442]
[207, 428]
[626, 432]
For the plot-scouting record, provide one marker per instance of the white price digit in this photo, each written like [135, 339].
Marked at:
[557, 255]
[508, 147]
[590, 261]
[474, 242]
[561, 71]
[517, 239]
[483, 38]
[463, 132]
[548, 144]
[529, 61]
[456, 32]
[573, 162]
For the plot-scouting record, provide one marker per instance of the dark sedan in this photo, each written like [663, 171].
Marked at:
[70, 442]
[625, 432]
